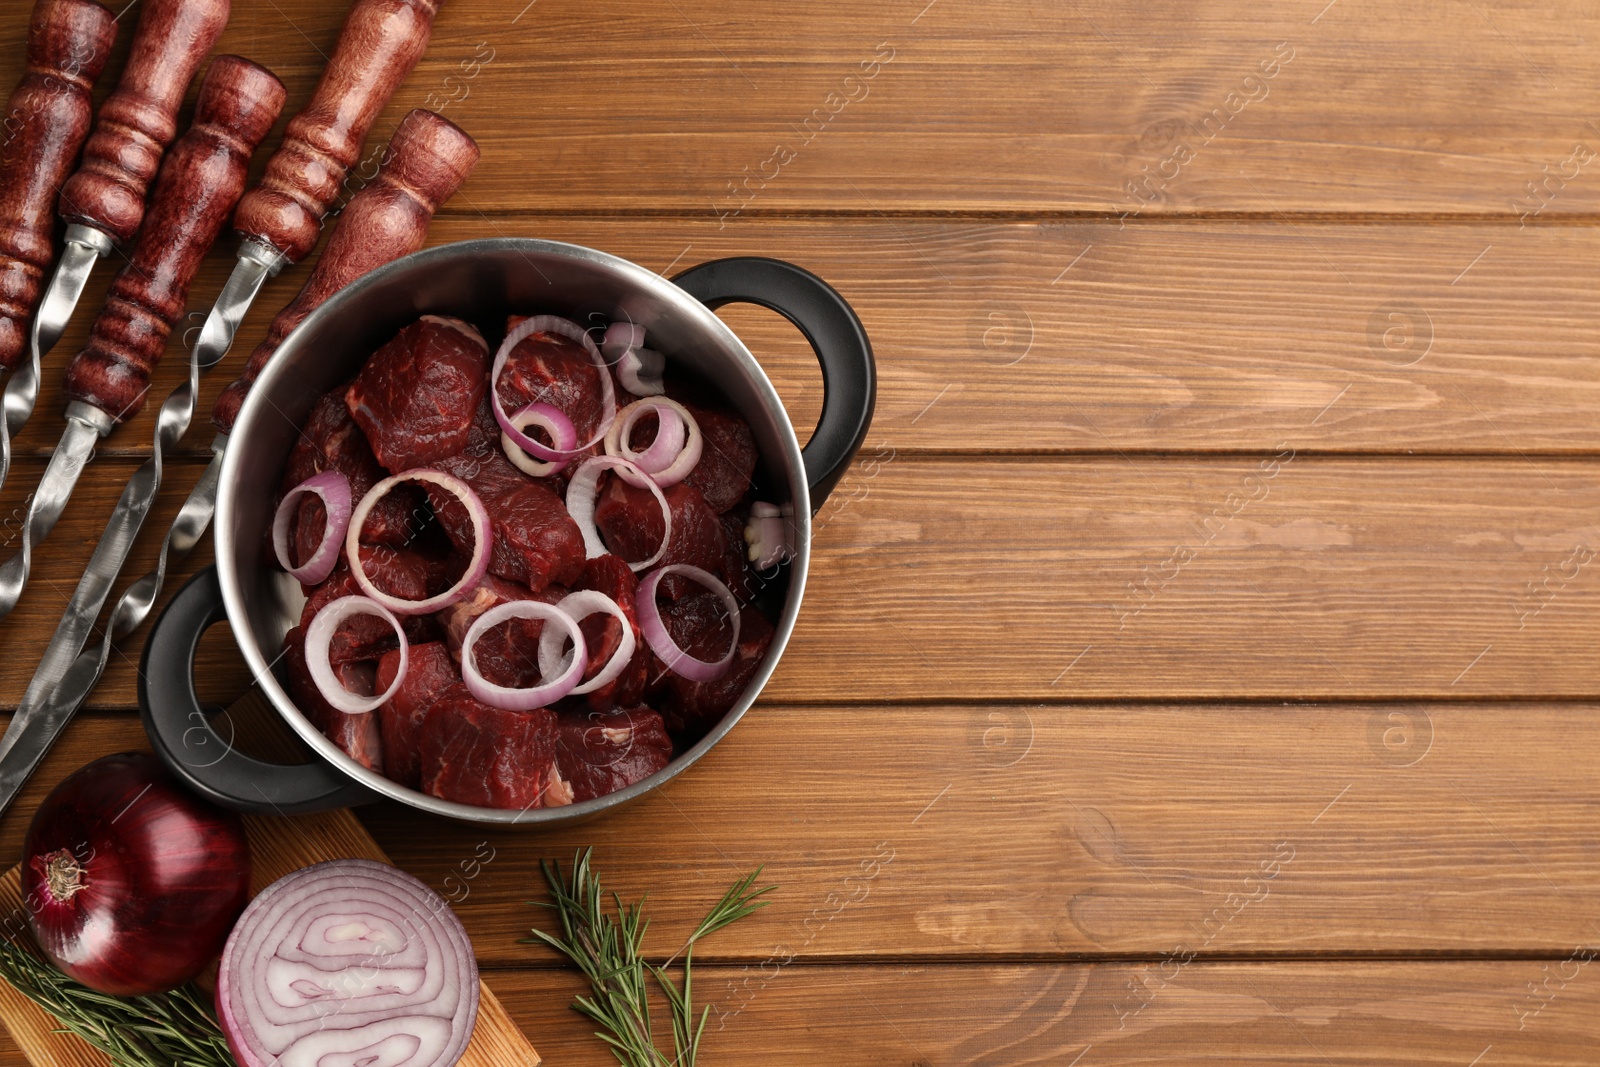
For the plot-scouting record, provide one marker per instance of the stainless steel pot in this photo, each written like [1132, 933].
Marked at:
[483, 281]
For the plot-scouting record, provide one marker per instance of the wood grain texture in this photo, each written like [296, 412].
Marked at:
[1026, 833]
[277, 847]
[1048, 580]
[47, 119]
[134, 126]
[380, 42]
[1163, 337]
[200, 182]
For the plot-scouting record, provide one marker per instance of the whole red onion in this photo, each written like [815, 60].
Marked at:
[131, 882]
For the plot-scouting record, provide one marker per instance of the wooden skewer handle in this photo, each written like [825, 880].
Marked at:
[139, 120]
[45, 124]
[200, 182]
[426, 161]
[380, 43]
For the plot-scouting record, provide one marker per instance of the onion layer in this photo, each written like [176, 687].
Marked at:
[549, 690]
[562, 328]
[334, 489]
[638, 368]
[585, 486]
[580, 605]
[477, 566]
[676, 449]
[344, 963]
[768, 536]
[660, 640]
[132, 882]
[563, 435]
[319, 636]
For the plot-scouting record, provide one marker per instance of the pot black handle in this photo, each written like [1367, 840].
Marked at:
[849, 376]
[185, 740]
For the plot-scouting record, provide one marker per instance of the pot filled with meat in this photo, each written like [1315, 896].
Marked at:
[510, 531]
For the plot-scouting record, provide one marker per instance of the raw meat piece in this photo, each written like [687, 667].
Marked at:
[601, 752]
[417, 396]
[535, 541]
[728, 461]
[602, 633]
[356, 735]
[508, 654]
[692, 708]
[629, 521]
[330, 440]
[554, 370]
[735, 572]
[476, 754]
[396, 571]
[430, 672]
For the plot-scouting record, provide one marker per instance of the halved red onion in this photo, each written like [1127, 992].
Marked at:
[482, 537]
[562, 328]
[347, 962]
[767, 535]
[585, 486]
[334, 489]
[580, 605]
[319, 636]
[660, 640]
[640, 372]
[549, 690]
[562, 437]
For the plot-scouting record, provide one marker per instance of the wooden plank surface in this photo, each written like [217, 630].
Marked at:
[998, 337]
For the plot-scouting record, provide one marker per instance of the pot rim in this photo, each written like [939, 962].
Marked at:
[227, 550]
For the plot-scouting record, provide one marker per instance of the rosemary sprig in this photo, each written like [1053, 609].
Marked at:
[607, 951]
[175, 1029]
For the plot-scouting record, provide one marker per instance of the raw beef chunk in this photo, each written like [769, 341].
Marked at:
[430, 672]
[417, 396]
[535, 540]
[728, 461]
[550, 369]
[602, 633]
[476, 754]
[692, 708]
[600, 752]
[356, 735]
[508, 654]
[331, 440]
[629, 521]
[735, 572]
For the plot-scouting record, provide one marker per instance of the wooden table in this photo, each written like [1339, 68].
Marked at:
[1199, 664]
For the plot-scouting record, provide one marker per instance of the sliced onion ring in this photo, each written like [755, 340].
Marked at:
[319, 636]
[767, 534]
[347, 962]
[683, 460]
[334, 489]
[562, 437]
[580, 605]
[482, 537]
[638, 368]
[562, 328]
[660, 640]
[549, 690]
[585, 486]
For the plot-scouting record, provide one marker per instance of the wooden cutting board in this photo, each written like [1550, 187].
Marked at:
[278, 845]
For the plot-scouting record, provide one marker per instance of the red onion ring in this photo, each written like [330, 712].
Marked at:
[585, 486]
[347, 962]
[620, 339]
[767, 535]
[563, 435]
[638, 368]
[675, 451]
[482, 536]
[580, 605]
[538, 696]
[334, 489]
[562, 328]
[660, 640]
[319, 636]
